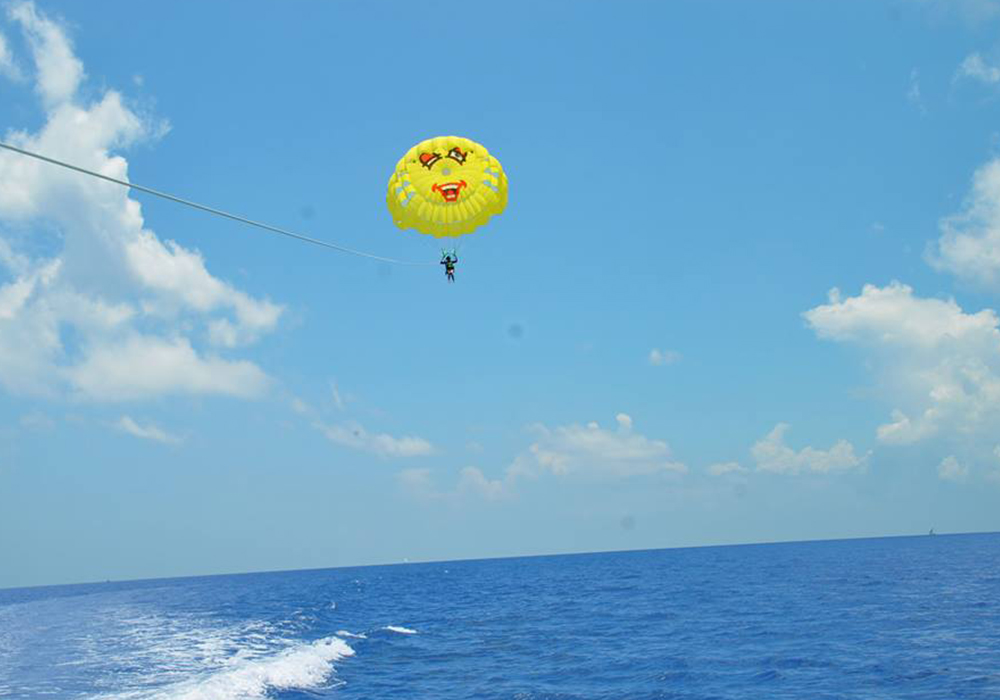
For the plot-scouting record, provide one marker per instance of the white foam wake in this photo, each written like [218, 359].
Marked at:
[400, 630]
[345, 633]
[301, 667]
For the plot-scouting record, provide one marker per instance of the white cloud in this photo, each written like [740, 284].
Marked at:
[59, 72]
[7, 66]
[724, 468]
[969, 246]
[976, 68]
[180, 276]
[659, 357]
[591, 449]
[353, 435]
[472, 482]
[950, 469]
[147, 432]
[993, 474]
[143, 367]
[773, 455]
[565, 451]
[338, 400]
[112, 290]
[938, 365]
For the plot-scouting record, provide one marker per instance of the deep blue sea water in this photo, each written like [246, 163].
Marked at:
[915, 617]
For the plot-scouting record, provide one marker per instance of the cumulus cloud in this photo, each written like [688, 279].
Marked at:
[146, 432]
[939, 365]
[142, 367]
[950, 470]
[969, 246]
[111, 311]
[594, 450]
[564, 451]
[354, 436]
[659, 357]
[773, 455]
[976, 68]
[59, 72]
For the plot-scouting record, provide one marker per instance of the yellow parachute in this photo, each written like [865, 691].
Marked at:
[446, 186]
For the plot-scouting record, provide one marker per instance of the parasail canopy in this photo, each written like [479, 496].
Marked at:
[446, 186]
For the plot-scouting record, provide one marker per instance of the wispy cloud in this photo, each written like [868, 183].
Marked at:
[147, 432]
[36, 420]
[417, 481]
[338, 400]
[773, 455]
[659, 357]
[976, 68]
[972, 11]
[471, 482]
[353, 435]
[8, 68]
[149, 318]
[723, 468]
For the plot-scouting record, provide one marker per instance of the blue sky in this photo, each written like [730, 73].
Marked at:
[744, 289]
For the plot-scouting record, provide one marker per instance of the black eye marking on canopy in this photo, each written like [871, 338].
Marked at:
[429, 159]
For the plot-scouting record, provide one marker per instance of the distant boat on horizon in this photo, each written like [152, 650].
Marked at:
[931, 532]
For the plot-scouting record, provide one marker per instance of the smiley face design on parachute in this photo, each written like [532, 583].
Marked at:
[449, 191]
[446, 186]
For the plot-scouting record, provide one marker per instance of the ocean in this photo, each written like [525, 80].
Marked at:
[904, 617]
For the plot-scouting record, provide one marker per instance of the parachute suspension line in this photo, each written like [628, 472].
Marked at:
[210, 210]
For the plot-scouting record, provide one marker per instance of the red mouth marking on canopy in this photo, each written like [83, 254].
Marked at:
[450, 190]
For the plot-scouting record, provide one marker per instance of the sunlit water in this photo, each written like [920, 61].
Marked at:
[885, 618]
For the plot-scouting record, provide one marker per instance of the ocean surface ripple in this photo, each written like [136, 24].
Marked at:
[913, 617]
